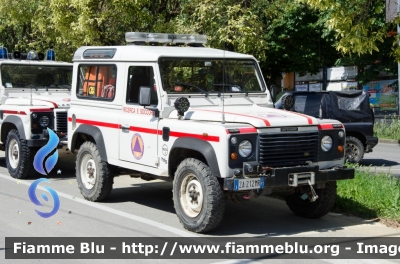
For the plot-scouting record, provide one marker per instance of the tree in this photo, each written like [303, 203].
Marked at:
[284, 36]
[359, 24]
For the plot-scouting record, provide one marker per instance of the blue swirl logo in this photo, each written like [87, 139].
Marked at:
[44, 160]
[35, 200]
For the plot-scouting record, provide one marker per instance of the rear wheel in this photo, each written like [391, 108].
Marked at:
[198, 198]
[300, 204]
[94, 176]
[19, 157]
[354, 150]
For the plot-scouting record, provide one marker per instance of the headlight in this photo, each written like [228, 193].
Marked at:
[326, 143]
[341, 134]
[44, 121]
[245, 148]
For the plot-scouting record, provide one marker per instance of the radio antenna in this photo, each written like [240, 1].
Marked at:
[223, 89]
[31, 94]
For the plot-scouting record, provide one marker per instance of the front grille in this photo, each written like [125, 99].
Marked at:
[62, 121]
[288, 149]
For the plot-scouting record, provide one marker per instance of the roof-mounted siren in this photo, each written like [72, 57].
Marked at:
[3, 53]
[50, 55]
[155, 38]
[32, 55]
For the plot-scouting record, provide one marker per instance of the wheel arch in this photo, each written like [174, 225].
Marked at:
[12, 122]
[186, 147]
[89, 133]
[357, 135]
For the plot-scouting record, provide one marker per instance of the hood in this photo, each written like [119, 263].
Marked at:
[254, 115]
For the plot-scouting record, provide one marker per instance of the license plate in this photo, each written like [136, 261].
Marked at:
[248, 184]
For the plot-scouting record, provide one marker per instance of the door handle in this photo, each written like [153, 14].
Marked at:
[124, 127]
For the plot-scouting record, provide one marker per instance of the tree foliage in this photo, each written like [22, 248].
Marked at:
[283, 35]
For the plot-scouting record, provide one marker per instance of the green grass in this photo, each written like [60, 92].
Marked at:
[388, 131]
[370, 195]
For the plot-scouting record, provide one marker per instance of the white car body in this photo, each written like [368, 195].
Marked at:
[233, 133]
[19, 102]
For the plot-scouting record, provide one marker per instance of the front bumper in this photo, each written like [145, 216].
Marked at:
[281, 177]
[370, 143]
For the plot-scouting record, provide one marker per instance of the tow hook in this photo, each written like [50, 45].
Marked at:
[249, 195]
[314, 195]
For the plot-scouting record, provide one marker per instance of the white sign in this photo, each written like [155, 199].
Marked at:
[336, 86]
[346, 86]
[342, 73]
[315, 87]
[391, 10]
[301, 87]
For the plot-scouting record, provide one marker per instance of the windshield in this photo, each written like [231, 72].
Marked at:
[188, 75]
[39, 76]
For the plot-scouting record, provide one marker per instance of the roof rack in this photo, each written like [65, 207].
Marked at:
[155, 38]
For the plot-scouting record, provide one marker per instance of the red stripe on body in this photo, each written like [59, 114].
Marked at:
[146, 130]
[243, 130]
[180, 134]
[42, 110]
[266, 122]
[14, 112]
[309, 119]
[325, 126]
[96, 123]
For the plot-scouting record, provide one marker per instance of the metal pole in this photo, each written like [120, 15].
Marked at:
[398, 64]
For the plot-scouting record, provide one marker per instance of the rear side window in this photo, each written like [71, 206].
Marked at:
[97, 82]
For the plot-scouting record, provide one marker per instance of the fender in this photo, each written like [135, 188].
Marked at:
[15, 120]
[201, 146]
[96, 134]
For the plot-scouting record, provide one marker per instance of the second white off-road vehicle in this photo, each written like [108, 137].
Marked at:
[34, 96]
[202, 117]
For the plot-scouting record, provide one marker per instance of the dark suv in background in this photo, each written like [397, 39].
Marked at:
[349, 107]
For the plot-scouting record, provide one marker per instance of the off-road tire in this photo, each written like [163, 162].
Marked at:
[24, 167]
[354, 150]
[103, 177]
[193, 172]
[322, 206]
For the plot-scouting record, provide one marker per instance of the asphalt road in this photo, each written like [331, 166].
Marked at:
[137, 208]
[384, 158]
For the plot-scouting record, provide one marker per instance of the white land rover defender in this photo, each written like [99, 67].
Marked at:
[202, 117]
[35, 95]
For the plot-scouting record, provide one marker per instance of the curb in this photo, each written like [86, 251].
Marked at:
[389, 141]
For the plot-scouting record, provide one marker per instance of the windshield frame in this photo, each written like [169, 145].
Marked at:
[257, 75]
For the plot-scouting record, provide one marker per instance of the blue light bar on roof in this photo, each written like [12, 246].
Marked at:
[50, 55]
[3, 53]
[165, 38]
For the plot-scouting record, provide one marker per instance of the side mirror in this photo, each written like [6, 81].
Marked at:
[274, 92]
[144, 96]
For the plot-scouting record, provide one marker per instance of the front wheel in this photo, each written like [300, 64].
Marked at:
[19, 157]
[300, 204]
[354, 150]
[94, 176]
[198, 198]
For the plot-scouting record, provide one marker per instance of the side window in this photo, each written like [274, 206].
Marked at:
[97, 82]
[140, 76]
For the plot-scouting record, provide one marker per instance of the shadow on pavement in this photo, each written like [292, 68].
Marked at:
[378, 162]
[264, 215]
